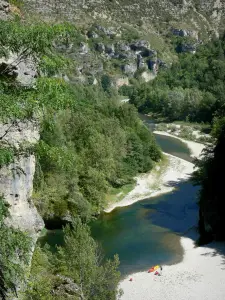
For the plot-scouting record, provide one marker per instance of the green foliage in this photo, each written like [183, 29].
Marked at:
[85, 151]
[79, 262]
[80, 259]
[17, 3]
[6, 156]
[106, 82]
[130, 34]
[32, 39]
[88, 144]
[14, 251]
[191, 89]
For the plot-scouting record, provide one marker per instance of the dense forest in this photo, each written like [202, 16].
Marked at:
[88, 144]
[192, 89]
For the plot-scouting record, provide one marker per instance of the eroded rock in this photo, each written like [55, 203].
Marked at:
[129, 69]
[23, 70]
[4, 10]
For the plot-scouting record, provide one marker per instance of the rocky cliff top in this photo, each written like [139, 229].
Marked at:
[203, 15]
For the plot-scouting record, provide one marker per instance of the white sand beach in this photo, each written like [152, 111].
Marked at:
[195, 148]
[200, 276]
[157, 182]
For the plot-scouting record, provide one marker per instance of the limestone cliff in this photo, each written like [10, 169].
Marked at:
[16, 179]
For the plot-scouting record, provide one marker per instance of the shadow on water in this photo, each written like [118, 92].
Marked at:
[53, 238]
[148, 232]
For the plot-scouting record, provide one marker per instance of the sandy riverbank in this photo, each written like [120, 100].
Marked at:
[195, 148]
[159, 181]
[199, 276]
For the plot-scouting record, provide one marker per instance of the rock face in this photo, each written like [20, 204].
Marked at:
[16, 179]
[23, 71]
[185, 32]
[129, 69]
[121, 81]
[16, 184]
[4, 10]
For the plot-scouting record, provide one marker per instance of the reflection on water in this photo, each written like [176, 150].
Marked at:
[168, 144]
[173, 146]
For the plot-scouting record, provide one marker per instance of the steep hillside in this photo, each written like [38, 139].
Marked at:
[109, 27]
[201, 15]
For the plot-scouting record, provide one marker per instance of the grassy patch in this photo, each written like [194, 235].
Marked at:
[117, 194]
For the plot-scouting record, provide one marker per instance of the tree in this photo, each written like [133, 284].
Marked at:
[81, 260]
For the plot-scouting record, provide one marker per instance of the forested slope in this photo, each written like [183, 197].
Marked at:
[191, 90]
[88, 143]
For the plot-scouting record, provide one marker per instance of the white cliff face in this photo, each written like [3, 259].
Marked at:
[16, 184]
[23, 70]
[16, 133]
[16, 179]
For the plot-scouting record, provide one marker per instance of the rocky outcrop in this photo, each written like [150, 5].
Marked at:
[185, 32]
[23, 70]
[16, 179]
[121, 81]
[129, 69]
[201, 15]
[141, 45]
[4, 10]
[16, 184]
[67, 289]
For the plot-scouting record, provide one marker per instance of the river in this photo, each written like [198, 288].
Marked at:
[147, 232]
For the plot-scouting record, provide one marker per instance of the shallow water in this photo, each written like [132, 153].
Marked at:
[168, 144]
[147, 232]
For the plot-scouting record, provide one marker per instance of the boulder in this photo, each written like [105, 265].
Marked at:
[185, 32]
[191, 48]
[140, 45]
[153, 65]
[179, 32]
[109, 49]
[100, 47]
[123, 47]
[161, 63]
[110, 32]
[92, 35]
[84, 49]
[140, 62]
[22, 70]
[66, 287]
[121, 81]
[148, 53]
[129, 69]
[126, 55]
